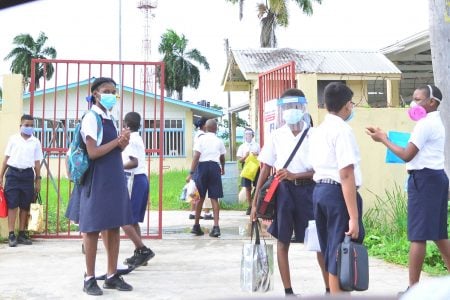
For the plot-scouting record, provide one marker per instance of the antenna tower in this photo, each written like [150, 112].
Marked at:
[146, 6]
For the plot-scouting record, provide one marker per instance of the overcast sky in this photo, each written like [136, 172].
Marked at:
[88, 29]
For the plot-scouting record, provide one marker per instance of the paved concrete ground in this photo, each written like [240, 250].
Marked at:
[185, 267]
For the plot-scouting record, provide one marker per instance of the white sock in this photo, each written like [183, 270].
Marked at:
[110, 276]
[87, 278]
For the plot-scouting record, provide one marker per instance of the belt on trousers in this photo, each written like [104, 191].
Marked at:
[18, 169]
[328, 181]
[331, 181]
[302, 182]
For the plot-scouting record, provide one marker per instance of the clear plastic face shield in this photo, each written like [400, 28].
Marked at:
[292, 111]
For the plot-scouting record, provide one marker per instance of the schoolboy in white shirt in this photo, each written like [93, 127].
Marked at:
[207, 167]
[294, 207]
[427, 182]
[22, 164]
[134, 163]
[335, 158]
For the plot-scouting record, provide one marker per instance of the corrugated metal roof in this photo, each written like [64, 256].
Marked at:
[197, 109]
[321, 61]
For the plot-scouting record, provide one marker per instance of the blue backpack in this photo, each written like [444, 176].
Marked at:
[78, 161]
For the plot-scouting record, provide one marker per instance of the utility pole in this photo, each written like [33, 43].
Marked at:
[230, 124]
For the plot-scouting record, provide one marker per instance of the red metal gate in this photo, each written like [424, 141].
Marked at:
[58, 104]
[271, 85]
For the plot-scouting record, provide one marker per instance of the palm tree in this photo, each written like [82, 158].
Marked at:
[26, 49]
[179, 70]
[272, 14]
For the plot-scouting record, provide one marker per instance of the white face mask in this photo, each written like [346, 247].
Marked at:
[292, 116]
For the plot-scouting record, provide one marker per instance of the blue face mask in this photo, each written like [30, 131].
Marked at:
[292, 116]
[27, 130]
[352, 114]
[108, 100]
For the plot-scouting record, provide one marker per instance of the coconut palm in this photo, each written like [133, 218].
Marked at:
[273, 13]
[179, 68]
[26, 49]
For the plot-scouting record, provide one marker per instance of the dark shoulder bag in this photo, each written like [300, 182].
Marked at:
[267, 196]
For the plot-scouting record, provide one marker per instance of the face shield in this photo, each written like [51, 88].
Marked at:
[291, 111]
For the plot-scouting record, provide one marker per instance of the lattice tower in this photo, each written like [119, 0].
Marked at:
[147, 78]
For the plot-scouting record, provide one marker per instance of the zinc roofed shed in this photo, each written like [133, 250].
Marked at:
[372, 76]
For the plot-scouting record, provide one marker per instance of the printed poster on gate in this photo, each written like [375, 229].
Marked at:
[270, 117]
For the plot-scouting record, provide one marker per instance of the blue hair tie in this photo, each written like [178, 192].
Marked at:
[90, 98]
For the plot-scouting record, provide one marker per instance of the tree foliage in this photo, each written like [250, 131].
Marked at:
[273, 13]
[26, 48]
[180, 70]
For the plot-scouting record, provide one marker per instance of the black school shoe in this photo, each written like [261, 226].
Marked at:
[215, 232]
[142, 256]
[23, 239]
[117, 282]
[192, 217]
[91, 287]
[119, 272]
[12, 240]
[197, 230]
[248, 211]
[208, 217]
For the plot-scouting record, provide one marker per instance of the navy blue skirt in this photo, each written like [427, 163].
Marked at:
[294, 210]
[73, 208]
[330, 212]
[104, 202]
[427, 205]
[139, 197]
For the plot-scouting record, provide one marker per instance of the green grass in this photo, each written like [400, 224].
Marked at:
[173, 183]
[386, 235]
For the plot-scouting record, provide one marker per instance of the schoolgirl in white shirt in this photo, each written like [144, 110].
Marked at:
[427, 183]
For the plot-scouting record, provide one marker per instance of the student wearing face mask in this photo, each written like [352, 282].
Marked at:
[427, 182]
[249, 146]
[22, 165]
[104, 202]
[334, 156]
[294, 193]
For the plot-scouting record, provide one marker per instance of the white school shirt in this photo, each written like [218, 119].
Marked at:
[23, 153]
[210, 147]
[279, 146]
[429, 137]
[135, 148]
[197, 135]
[333, 147]
[245, 147]
[89, 123]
